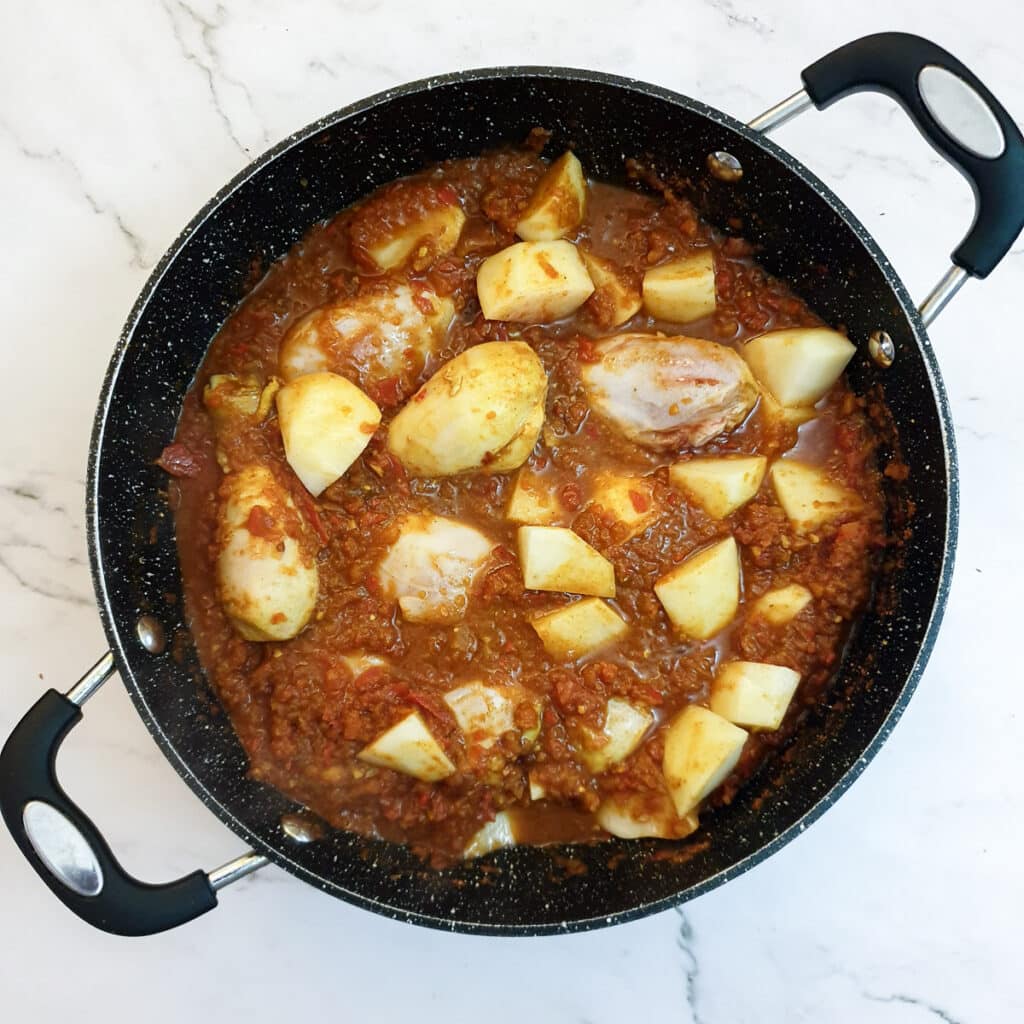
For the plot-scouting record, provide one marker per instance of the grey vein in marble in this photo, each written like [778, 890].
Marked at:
[58, 157]
[921, 1004]
[727, 8]
[41, 542]
[206, 57]
[691, 966]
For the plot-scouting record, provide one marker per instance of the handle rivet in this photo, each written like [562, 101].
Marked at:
[302, 827]
[724, 166]
[150, 634]
[882, 349]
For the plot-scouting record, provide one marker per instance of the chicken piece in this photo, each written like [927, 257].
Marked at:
[668, 392]
[430, 569]
[267, 578]
[369, 338]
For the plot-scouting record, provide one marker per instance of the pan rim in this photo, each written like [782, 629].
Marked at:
[119, 644]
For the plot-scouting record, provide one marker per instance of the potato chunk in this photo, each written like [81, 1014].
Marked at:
[616, 299]
[625, 726]
[413, 221]
[430, 569]
[798, 365]
[783, 604]
[682, 290]
[537, 790]
[701, 595]
[532, 502]
[644, 816]
[482, 411]
[493, 836]
[267, 578]
[701, 749]
[485, 712]
[720, 485]
[228, 396]
[409, 748]
[326, 422]
[358, 662]
[579, 629]
[752, 694]
[557, 204]
[555, 558]
[533, 282]
[807, 495]
[627, 499]
[787, 415]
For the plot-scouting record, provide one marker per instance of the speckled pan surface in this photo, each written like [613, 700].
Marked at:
[808, 237]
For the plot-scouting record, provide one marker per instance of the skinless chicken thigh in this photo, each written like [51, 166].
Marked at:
[430, 569]
[668, 392]
[369, 338]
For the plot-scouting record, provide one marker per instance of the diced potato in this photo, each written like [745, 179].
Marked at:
[753, 694]
[267, 579]
[409, 748]
[485, 712]
[579, 629]
[783, 604]
[358, 663]
[533, 282]
[234, 402]
[481, 412]
[436, 230]
[555, 558]
[532, 502]
[644, 816]
[628, 499]
[807, 495]
[326, 422]
[493, 836]
[430, 568]
[624, 727]
[800, 364]
[557, 204]
[227, 395]
[701, 749]
[537, 790]
[720, 485]
[615, 299]
[789, 415]
[682, 290]
[701, 595]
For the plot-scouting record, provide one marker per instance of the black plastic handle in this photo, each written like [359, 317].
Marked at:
[891, 63]
[123, 905]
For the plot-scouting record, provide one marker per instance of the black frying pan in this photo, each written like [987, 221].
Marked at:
[807, 236]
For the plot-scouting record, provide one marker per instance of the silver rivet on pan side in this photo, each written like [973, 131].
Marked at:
[882, 349]
[724, 166]
[302, 828]
[150, 634]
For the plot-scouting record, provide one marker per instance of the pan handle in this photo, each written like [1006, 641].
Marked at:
[65, 847]
[958, 116]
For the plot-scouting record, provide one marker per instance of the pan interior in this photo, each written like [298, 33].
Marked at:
[806, 236]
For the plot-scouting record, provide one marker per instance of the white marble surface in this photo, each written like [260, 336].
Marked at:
[902, 905]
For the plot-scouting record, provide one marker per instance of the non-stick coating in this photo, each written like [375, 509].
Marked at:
[807, 237]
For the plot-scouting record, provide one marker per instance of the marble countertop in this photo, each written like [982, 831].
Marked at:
[900, 906]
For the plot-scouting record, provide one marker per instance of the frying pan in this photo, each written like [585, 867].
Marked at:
[737, 176]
